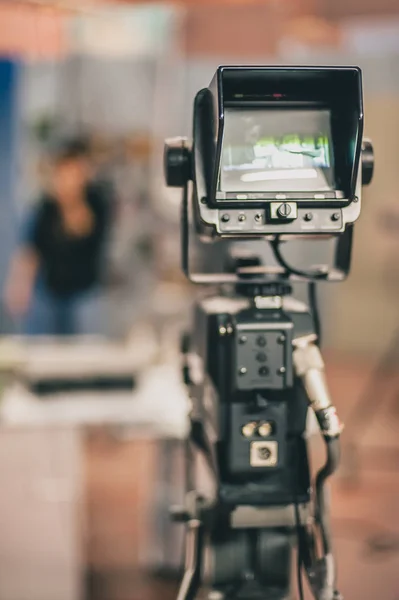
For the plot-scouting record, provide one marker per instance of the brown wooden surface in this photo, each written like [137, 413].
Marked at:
[120, 479]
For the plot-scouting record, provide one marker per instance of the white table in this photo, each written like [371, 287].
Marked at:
[41, 455]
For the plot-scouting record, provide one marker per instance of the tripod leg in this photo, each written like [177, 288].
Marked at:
[194, 545]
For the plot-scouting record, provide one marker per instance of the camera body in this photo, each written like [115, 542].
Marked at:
[241, 383]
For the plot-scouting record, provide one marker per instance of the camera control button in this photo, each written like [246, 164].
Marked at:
[283, 211]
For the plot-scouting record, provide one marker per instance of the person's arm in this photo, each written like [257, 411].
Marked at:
[23, 268]
[20, 281]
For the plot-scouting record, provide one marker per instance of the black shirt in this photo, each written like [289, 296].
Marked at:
[70, 265]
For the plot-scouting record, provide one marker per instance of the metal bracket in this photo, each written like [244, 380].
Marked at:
[274, 516]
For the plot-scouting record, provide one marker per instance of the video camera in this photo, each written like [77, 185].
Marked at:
[277, 154]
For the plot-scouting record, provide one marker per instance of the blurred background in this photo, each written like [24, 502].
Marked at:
[92, 414]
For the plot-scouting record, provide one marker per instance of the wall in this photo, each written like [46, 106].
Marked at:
[364, 312]
[342, 8]
[122, 94]
[32, 31]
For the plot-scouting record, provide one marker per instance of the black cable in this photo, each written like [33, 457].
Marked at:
[299, 559]
[313, 276]
[295, 487]
[314, 309]
[330, 466]
[185, 235]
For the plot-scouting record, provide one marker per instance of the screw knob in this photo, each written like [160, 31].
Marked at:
[284, 210]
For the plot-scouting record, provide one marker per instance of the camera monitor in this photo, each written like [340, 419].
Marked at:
[264, 136]
[276, 151]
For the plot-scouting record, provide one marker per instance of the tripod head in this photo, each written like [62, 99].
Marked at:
[246, 266]
[277, 154]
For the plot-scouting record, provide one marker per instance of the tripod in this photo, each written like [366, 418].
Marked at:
[259, 504]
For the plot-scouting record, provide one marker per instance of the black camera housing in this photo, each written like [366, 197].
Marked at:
[229, 391]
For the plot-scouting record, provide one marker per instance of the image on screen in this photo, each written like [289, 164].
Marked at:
[276, 150]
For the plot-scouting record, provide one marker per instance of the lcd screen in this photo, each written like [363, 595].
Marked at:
[269, 150]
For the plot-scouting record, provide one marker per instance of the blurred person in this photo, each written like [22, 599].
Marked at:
[55, 278]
